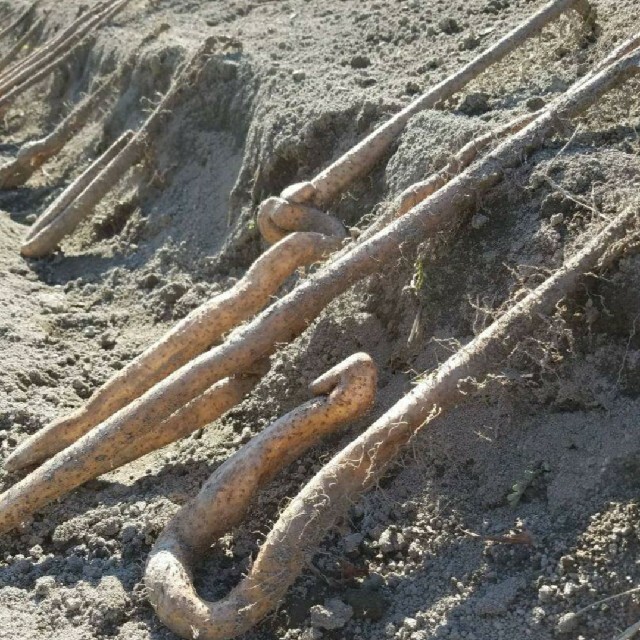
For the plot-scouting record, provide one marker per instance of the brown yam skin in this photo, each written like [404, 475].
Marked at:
[225, 497]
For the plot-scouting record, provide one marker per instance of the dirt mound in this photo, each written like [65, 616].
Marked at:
[545, 450]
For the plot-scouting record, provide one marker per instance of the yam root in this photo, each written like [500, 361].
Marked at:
[25, 16]
[344, 393]
[64, 214]
[106, 448]
[196, 333]
[34, 154]
[48, 238]
[362, 158]
[289, 316]
[21, 44]
[309, 516]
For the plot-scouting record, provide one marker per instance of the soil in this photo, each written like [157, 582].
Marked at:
[547, 448]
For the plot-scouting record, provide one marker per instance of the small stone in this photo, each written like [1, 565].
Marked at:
[474, 104]
[449, 25]
[546, 593]
[44, 586]
[298, 75]
[31, 218]
[535, 103]
[333, 615]
[567, 623]
[556, 219]
[360, 61]
[390, 541]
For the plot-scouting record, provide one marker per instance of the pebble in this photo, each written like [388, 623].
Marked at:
[360, 61]
[567, 623]
[334, 614]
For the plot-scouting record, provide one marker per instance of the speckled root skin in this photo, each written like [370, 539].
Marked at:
[288, 317]
[310, 515]
[345, 393]
[107, 448]
[196, 333]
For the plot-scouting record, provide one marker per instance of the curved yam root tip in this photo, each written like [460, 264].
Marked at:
[107, 448]
[189, 338]
[224, 499]
[277, 217]
[311, 514]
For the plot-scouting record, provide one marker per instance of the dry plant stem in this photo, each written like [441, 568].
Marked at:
[34, 154]
[33, 33]
[310, 515]
[20, 19]
[288, 317]
[51, 55]
[192, 336]
[94, 454]
[62, 213]
[361, 158]
[48, 238]
[225, 497]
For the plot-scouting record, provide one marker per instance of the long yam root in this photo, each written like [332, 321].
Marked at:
[26, 15]
[21, 44]
[195, 334]
[362, 158]
[345, 393]
[106, 448]
[289, 316]
[34, 154]
[63, 213]
[309, 516]
[49, 238]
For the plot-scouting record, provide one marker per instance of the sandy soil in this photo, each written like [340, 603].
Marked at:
[558, 419]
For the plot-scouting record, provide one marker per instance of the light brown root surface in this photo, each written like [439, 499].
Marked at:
[221, 504]
[48, 238]
[34, 154]
[107, 448]
[289, 316]
[310, 515]
[64, 214]
[199, 331]
[363, 157]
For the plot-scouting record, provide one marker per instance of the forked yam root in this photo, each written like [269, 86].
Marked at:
[350, 391]
[199, 331]
[106, 448]
[310, 515]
